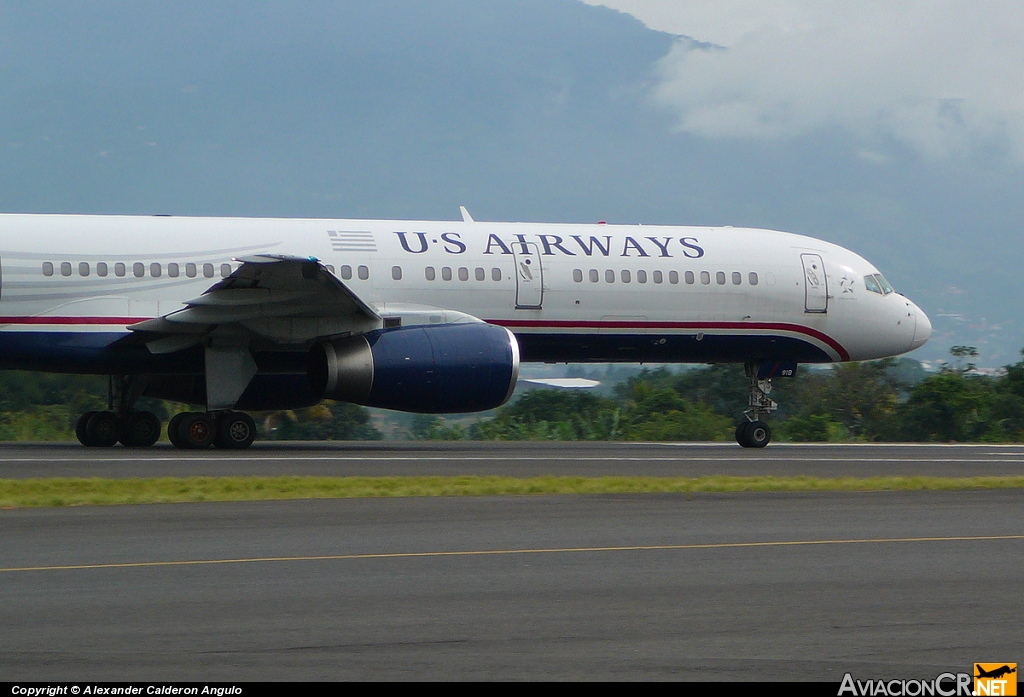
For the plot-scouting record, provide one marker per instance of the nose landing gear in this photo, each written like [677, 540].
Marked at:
[755, 433]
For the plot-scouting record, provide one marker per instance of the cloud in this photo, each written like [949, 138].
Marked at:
[945, 77]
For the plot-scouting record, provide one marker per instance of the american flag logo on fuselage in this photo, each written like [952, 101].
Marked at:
[352, 241]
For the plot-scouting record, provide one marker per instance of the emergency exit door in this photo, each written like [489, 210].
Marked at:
[815, 284]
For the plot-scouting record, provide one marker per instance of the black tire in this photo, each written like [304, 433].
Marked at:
[102, 429]
[759, 434]
[741, 433]
[140, 429]
[196, 431]
[83, 436]
[174, 430]
[235, 430]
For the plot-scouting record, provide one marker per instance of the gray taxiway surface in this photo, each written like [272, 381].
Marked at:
[740, 586]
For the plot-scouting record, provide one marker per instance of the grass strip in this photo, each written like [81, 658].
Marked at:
[27, 493]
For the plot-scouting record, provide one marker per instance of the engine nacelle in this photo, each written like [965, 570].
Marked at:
[430, 369]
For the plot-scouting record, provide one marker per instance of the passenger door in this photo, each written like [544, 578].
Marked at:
[815, 284]
[529, 276]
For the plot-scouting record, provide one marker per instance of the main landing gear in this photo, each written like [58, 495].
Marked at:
[755, 433]
[231, 430]
[121, 423]
[102, 429]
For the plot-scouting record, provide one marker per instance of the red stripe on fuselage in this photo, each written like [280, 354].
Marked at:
[697, 326]
[64, 321]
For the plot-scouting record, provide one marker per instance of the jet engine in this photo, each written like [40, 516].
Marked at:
[429, 369]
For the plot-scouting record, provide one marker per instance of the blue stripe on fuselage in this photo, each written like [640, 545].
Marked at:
[124, 353]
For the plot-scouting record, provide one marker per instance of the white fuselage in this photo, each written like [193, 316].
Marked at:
[600, 292]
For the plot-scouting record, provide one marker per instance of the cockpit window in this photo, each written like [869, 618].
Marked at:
[876, 283]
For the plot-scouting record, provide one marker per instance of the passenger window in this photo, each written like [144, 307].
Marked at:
[595, 276]
[225, 270]
[609, 276]
[463, 273]
[720, 278]
[689, 278]
[101, 268]
[363, 272]
[208, 270]
[119, 269]
[190, 270]
[154, 270]
[172, 270]
[138, 269]
[429, 273]
[446, 273]
[673, 277]
[65, 268]
[658, 277]
[346, 272]
[577, 274]
[480, 274]
[396, 273]
[626, 276]
[83, 268]
[705, 278]
[495, 274]
[737, 278]
[330, 268]
[752, 278]
[641, 276]
[47, 268]
[871, 284]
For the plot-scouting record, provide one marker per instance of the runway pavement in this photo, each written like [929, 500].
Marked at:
[512, 459]
[624, 587]
[412, 596]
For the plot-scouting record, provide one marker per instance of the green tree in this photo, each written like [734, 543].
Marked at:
[655, 413]
[547, 414]
[851, 401]
[431, 427]
[326, 421]
[950, 406]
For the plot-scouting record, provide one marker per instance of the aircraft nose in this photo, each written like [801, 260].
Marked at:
[922, 329]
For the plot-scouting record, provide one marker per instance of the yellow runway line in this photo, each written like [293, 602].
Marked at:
[497, 552]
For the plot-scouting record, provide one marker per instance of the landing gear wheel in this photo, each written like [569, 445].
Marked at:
[80, 431]
[235, 430]
[196, 431]
[758, 434]
[742, 434]
[102, 429]
[140, 429]
[174, 430]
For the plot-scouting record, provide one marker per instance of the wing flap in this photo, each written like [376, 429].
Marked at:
[263, 289]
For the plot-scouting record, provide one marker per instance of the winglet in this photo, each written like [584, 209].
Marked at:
[466, 217]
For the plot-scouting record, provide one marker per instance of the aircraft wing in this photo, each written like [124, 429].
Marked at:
[281, 298]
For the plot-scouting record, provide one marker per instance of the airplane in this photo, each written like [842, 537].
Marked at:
[995, 673]
[244, 314]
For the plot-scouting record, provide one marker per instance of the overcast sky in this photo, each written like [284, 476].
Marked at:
[895, 129]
